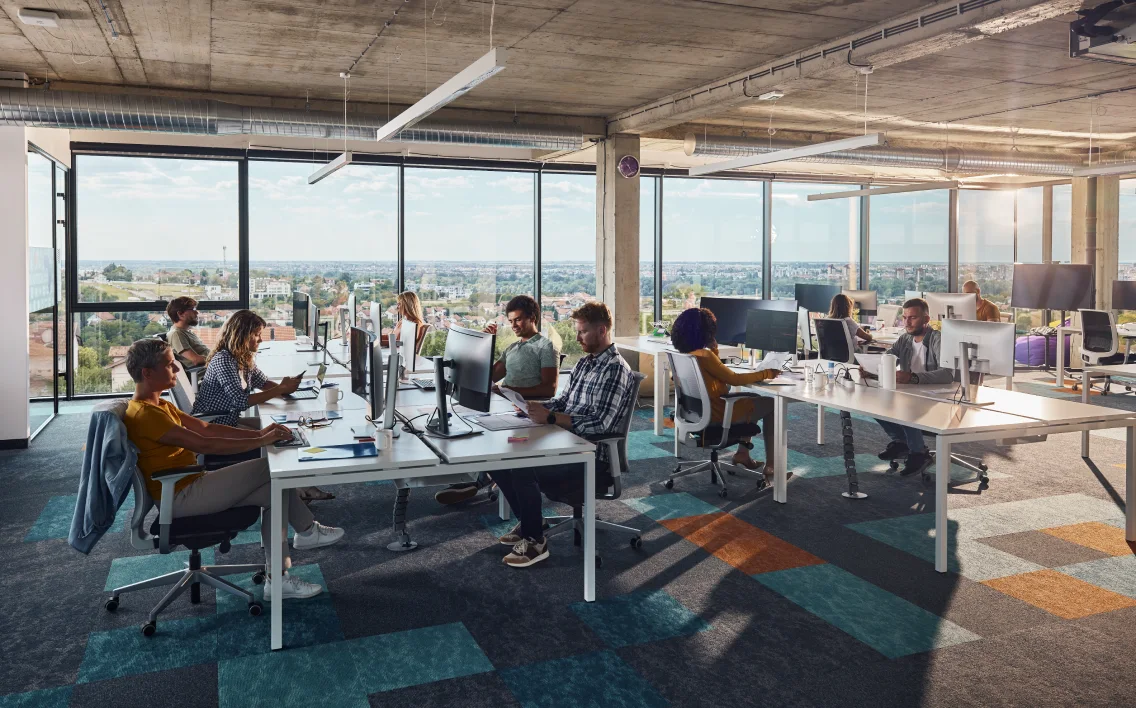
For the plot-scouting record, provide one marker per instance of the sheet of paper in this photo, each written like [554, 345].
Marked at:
[775, 361]
[870, 362]
[515, 398]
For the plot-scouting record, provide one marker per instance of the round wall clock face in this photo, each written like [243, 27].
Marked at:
[628, 166]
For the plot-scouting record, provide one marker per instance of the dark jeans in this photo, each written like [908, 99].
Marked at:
[522, 486]
[909, 436]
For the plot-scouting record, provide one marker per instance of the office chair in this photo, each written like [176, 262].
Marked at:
[573, 495]
[1099, 344]
[184, 396]
[835, 341]
[192, 532]
[693, 421]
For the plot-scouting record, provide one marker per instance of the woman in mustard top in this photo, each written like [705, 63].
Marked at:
[694, 333]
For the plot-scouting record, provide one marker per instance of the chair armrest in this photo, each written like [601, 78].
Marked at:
[611, 440]
[166, 507]
[603, 437]
[740, 394]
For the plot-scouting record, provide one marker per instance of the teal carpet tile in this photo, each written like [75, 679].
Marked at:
[43, 698]
[1116, 574]
[641, 445]
[889, 624]
[599, 680]
[252, 534]
[497, 527]
[344, 673]
[133, 569]
[661, 507]
[638, 618]
[54, 521]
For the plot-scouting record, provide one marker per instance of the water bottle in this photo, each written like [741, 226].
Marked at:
[831, 373]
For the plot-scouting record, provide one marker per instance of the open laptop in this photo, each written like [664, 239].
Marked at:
[309, 389]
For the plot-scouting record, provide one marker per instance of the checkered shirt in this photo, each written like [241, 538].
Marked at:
[223, 390]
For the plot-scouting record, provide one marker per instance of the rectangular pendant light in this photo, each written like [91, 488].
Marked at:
[1116, 168]
[894, 189]
[790, 154]
[466, 79]
[333, 166]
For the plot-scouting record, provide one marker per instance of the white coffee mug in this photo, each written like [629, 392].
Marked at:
[332, 395]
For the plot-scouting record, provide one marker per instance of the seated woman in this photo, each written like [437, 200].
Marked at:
[409, 310]
[694, 333]
[232, 381]
[841, 309]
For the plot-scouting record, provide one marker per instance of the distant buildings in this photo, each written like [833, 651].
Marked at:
[261, 288]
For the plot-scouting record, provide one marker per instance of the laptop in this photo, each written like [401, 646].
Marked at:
[424, 384]
[309, 389]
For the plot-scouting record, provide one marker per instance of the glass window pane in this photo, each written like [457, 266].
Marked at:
[567, 253]
[1029, 224]
[814, 242]
[41, 281]
[330, 239]
[469, 247]
[712, 231]
[155, 228]
[1128, 229]
[910, 243]
[647, 188]
[1062, 223]
[986, 242]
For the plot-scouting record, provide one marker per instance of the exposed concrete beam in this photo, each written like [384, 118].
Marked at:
[917, 34]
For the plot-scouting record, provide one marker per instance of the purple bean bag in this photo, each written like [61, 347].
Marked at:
[1030, 350]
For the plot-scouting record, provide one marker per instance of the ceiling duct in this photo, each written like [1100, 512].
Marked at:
[156, 114]
[951, 159]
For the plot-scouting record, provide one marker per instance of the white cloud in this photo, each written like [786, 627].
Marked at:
[514, 183]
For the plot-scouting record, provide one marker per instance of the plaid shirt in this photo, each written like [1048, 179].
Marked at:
[596, 395]
[225, 390]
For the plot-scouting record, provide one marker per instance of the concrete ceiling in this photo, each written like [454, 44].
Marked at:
[580, 58]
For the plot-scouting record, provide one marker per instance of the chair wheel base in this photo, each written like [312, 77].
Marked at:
[258, 578]
[255, 608]
[111, 605]
[669, 484]
[636, 542]
[854, 495]
[400, 546]
[723, 492]
[149, 628]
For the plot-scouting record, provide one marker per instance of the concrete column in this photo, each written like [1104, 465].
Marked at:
[617, 233]
[13, 287]
[1108, 238]
[1084, 219]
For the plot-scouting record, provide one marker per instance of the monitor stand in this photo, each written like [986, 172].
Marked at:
[438, 425]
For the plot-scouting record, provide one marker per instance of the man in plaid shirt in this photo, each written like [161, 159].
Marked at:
[592, 404]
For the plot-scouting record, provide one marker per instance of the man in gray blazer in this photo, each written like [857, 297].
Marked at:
[918, 353]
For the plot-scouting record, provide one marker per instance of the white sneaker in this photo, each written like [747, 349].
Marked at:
[292, 588]
[317, 536]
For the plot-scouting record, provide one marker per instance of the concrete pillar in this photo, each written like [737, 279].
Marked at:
[13, 287]
[617, 233]
[1108, 238]
[1084, 219]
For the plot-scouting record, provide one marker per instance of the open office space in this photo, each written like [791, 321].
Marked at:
[567, 353]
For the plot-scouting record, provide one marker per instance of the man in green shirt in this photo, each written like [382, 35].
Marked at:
[187, 347]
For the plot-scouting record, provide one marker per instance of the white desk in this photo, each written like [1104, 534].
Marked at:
[1010, 414]
[279, 406]
[279, 366]
[1127, 332]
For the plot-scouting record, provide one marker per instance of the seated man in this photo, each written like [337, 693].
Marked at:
[166, 438]
[530, 366]
[985, 310]
[918, 353]
[592, 404]
[187, 347]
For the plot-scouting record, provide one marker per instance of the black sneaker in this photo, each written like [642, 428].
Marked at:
[894, 451]
[527, 552]
[917, 463]
[456, 494]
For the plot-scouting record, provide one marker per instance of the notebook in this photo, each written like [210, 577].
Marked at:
[339, 452]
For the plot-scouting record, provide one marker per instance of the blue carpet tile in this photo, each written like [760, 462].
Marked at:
[641, 617]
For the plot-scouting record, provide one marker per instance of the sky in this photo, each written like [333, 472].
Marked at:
[135, 208]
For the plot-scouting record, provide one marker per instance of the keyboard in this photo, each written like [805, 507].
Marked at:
[298, 439]
[302, 395]
[423, 384]
[1044, 331]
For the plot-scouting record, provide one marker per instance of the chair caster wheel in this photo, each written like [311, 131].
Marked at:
[636, 542]
[599, 562]
[255, 608]
[723, 493]
[258, 578]
[669, 484]
[493, 496]
[893, 466]
[149, 628]
[111, 604]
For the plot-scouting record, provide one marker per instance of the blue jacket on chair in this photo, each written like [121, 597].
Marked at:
[108, 469]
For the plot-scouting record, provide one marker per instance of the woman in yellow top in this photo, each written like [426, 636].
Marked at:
[694, 333]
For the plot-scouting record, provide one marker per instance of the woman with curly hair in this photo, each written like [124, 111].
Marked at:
[694, 333]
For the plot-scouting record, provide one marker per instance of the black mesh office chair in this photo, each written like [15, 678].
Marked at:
[1099, 344]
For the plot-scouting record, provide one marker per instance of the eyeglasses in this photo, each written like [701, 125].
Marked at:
[313, 423]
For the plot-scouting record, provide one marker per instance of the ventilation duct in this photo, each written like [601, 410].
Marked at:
[157, 114]
[950, 159]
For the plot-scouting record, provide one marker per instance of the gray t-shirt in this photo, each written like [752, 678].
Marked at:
[525, 358]
[182, 339]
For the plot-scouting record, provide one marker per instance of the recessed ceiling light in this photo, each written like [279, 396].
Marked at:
[771, 95]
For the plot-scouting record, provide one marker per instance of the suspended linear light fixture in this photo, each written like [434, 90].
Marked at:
[344, 159]
[790, 154]
[894, 189]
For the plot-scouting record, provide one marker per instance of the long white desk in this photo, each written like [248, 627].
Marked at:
[1127, 332]
[1009, 414]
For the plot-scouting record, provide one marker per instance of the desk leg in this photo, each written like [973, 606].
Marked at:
[1086, 383]
[660, 391]
[503, 509]
[820, 425]
[590, 530]
[942, 480]
[276, 572]
[1060, 357]
[1130, 485]
[781, 451]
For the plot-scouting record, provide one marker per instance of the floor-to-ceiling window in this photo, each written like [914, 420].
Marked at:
[648, 231]
[1030, 214]
[42, 271]
[712, 240]
[910, 243]
[469, 246]
[1062, 224]
[1127, 233]
[986, 242]
[331, 240]
[813, 242]
[567, 254]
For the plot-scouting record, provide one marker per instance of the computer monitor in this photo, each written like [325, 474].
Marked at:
[360, 341]
[913, 294]
[864, 301]
[814, 297]
[383, 384]
[952, 306]
[376, 316]
[731, 314]
[347, 317]
[1124, 295]
[990, 346]
[772, 330]
[300, 320]
[463, 372]
[407, 337]
[1052, 286]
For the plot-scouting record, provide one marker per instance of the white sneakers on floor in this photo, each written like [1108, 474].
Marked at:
[292, 588]
[317, 536]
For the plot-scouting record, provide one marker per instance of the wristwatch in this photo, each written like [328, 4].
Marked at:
[551, 420]
[915, 378]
